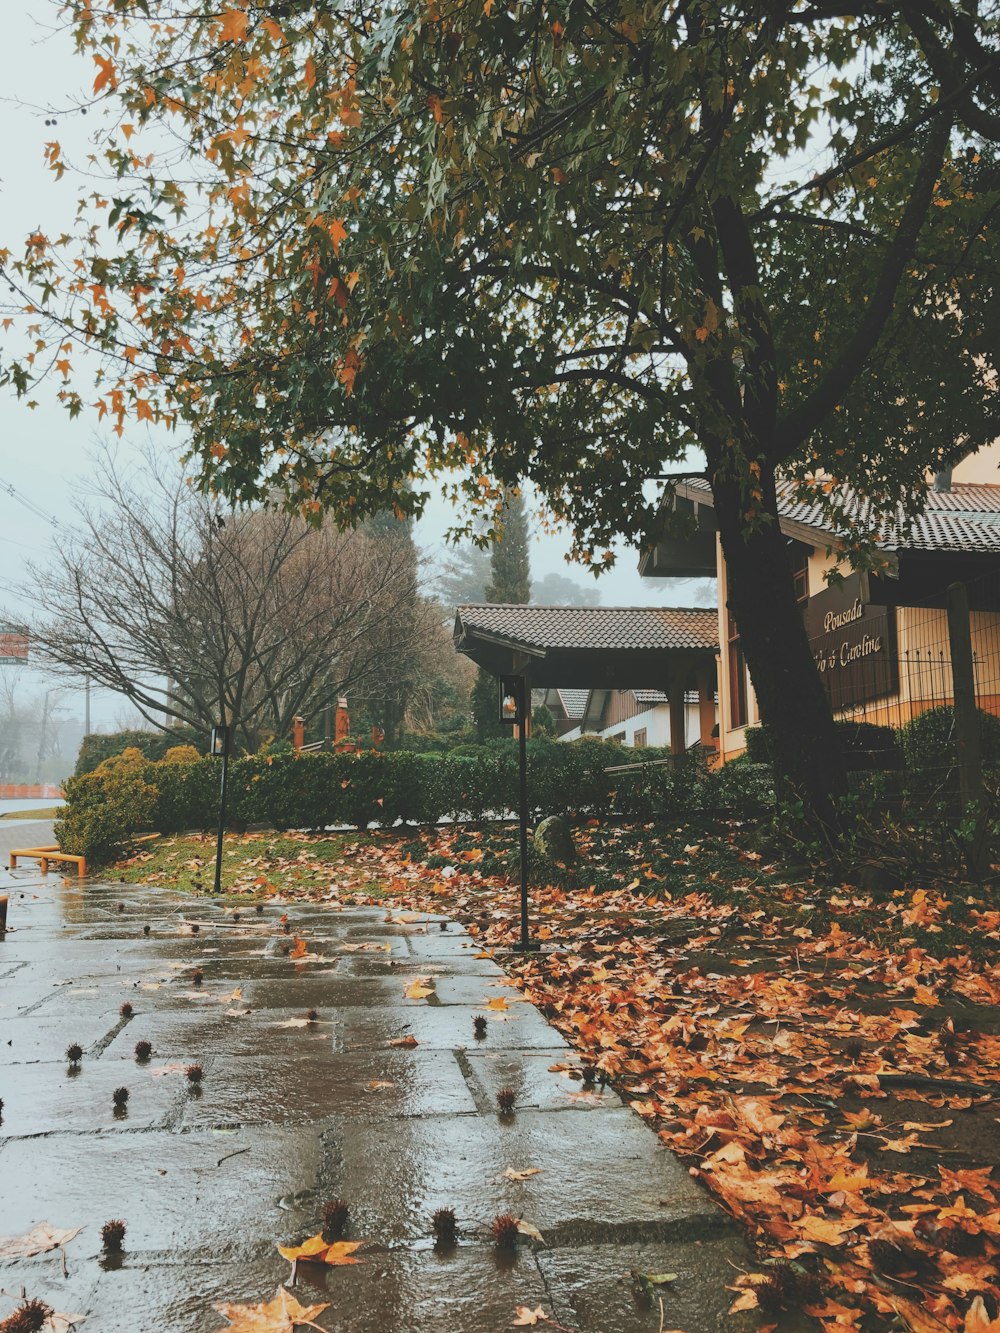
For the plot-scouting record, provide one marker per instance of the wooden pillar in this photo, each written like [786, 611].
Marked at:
[298, 733]
[675, 695]
[706, 707]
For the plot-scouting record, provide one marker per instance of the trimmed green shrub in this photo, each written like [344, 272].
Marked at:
[103, 813]
[864, 744]
[477, 783]
[152, 745]
[928, 740]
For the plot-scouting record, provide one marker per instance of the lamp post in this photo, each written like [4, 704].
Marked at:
[220, 749]
[513, 705]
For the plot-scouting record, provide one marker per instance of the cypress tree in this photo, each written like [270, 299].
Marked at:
[510, 582]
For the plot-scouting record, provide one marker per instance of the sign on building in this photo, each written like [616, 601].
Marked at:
[13, 644]
[854, 644]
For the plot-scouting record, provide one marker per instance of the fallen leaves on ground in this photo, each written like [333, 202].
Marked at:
[319, 1251]
[282, 1314]
[419, 989]
[825, 1060]
[39, 1240]
[406, 1042]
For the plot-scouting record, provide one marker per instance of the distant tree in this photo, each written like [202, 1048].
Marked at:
[510, 582]
[556, 589]
[510, 561]
[197, 615]
[464, 574]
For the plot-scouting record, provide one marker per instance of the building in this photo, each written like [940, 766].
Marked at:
[634, 718]
[880, 642]
[605, 666]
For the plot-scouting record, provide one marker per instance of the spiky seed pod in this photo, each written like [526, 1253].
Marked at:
[891, 1259]
[145, 929]
[506, 1100]
[285, 949]
[195, 928]
[286, 926]
[444, 925]
[589, 1073]
[236, 916]
[113, 1235]
[1, 1110]
[479, 1027]
[335, 1217]
[504, 1231]
[119, 907]
[959, 1242]
[194, 1073]
[259, 909]
[74, 1052]
[443, 1224]
[29, 1317]
[312, 1015]
[143, 1050]
[854, 1048]
[120, 1098]
[197, 977]
[126, 1010]
[788, 1288]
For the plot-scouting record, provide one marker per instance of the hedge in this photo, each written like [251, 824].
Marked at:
[319, 790]
[98, 746]
[863, 744]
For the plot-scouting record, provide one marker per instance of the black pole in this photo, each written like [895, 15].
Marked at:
[222, 813]
[525, 944]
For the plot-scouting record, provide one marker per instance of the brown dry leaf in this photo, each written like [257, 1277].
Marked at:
[39, 1240]
[977, 1319]
[498, 1003]
[407, 1041]
[61, 1322]
[299, 948]
[282, 1314]
[175, 1067]
[511, 1174]
[526, 1229]
[294, 1023]
[826, 1231]
[318, 1251]
[916, 1319]
[419, 989]
[529, 1318]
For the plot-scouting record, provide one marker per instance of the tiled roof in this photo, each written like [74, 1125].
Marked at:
[626, 627]
[574, 703]
[966, 518]
[650, 697]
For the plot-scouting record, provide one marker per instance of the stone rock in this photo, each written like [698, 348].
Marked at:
[554, 840]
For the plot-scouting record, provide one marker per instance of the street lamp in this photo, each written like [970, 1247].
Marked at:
[513, 710]
[220, 749]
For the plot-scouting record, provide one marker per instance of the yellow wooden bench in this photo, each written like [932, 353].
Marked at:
[43, 855]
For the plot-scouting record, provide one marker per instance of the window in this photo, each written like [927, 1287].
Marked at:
[737, 676]
[800, 572]
[639, 738]
[619, 738]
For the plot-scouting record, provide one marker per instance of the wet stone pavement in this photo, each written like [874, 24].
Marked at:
[293, 1113]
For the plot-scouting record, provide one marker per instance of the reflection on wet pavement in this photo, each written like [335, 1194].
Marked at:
[293, 1111]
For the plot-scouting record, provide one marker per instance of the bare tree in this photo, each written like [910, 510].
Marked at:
[198, 614]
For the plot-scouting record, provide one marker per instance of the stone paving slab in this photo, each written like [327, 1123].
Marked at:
[292, 1113]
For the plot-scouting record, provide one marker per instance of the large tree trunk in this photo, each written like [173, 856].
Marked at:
[809, 765]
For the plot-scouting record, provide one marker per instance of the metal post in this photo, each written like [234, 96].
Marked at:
[970, 764]
[525, 944]
[222, 814]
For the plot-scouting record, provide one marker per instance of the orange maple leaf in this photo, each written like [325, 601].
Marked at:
[234, 25]
[282, 1314]
[316, 1250]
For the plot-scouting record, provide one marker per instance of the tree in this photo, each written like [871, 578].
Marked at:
[464, 576]
[564, 245]
[510, 581]
[510, 560]
[198, 614]
[556, 589]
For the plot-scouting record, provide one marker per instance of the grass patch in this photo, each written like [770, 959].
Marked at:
[254, 865]
[43, 812]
